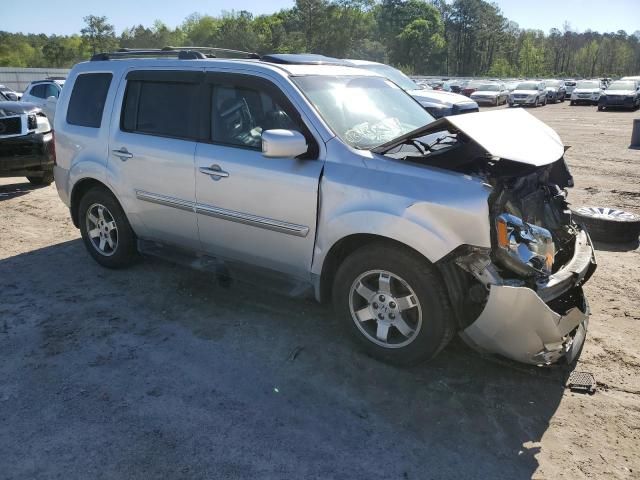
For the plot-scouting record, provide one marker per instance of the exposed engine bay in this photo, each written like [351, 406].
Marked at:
[521, 298]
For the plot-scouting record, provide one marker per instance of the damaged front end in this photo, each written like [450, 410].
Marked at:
[522, 298]
[529, 301]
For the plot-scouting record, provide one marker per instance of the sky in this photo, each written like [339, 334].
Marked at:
[64, 17]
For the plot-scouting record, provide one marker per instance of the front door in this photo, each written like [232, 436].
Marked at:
[250, 208]
[151, 153]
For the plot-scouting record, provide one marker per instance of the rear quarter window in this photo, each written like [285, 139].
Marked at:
[88, 97]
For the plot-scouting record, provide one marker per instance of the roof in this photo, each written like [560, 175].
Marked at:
[222, 63]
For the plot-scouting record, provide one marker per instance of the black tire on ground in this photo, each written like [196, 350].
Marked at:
[572, 103]
[45, 179]
[600, 108]
[609, 225]
[437, 326]
[126, 249]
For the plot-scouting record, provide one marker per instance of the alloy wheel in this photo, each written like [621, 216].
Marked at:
[385, 309]
[102, 229]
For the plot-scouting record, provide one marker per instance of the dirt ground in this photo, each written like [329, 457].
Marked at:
[159, 372]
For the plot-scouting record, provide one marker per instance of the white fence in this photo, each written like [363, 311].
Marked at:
[18, 78]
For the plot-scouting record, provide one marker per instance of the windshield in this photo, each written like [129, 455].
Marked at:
[363, 111]
[622, 86]
[488, 87]
[527, 86]
[396, 76]
[587, 85]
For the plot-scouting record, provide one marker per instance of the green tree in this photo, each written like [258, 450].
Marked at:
[419, 42]
[98, 34]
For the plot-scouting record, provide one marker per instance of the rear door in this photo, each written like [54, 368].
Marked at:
[259, 210]
[151, 152]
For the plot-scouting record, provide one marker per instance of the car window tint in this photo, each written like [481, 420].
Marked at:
[87, 99]
[240, 115]
[166, 109]
[39, 91]
[51, 91]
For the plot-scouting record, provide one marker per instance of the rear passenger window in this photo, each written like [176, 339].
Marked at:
[39, 91]
[162, 108]
[88, 98]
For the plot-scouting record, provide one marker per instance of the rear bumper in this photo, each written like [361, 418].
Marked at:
[18, 155]
[538, 326]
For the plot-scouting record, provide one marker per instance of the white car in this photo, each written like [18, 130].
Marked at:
[44, 94]
[438, 103]
[491, 93]
[587, 91]
[531, 93]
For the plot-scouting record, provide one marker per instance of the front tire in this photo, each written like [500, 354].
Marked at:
[393, 304]
[105, 230]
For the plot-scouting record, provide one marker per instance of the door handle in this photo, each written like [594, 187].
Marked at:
[214, 171]
[123, 154]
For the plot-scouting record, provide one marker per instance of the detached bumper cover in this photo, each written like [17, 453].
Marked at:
[518, 324]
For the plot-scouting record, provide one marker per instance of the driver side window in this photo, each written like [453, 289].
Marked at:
[240, 113]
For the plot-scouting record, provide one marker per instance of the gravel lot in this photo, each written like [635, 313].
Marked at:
[160, 372]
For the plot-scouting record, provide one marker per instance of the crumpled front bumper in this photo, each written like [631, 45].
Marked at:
[538, 326]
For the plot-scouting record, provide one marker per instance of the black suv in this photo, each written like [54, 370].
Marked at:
[26, 142]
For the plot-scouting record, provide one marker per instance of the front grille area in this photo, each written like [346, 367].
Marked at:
[10, 126]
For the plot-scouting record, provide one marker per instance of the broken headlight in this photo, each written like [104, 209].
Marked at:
[525, 249]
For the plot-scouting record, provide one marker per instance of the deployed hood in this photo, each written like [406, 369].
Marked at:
[9, 109]
[438, 96]
[505, 134]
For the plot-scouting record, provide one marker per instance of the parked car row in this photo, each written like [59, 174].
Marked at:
[604, 92]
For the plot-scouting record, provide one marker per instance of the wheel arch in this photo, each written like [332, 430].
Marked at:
[81, 187]
[344, 247]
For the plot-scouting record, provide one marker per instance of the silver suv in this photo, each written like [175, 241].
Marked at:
[335, 178]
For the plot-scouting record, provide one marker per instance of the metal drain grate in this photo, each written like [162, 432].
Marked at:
[583, 382]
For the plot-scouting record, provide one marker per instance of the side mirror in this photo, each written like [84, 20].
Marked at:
[283, 144]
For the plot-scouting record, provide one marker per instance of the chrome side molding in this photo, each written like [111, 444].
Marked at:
[224, 214]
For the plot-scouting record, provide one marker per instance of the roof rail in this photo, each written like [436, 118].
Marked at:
[182, 53]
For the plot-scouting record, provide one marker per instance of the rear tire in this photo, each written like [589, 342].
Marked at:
[393, 303]
[105, 230]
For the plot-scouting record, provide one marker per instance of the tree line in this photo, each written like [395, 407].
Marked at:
[462, 38]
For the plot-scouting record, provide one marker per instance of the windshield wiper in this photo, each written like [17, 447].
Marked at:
[411, 136]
